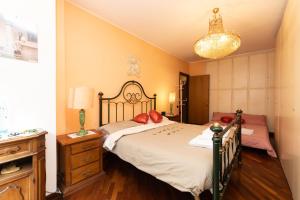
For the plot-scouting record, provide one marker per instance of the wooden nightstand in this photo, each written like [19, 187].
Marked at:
[175, 118]
[79, 161]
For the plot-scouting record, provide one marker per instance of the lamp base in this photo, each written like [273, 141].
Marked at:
[82, 132]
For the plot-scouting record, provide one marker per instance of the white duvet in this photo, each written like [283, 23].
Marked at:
[111, 139]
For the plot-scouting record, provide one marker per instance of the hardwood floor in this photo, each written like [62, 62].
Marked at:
[260, 177]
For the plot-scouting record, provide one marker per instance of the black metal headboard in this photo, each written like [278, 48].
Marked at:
[132, 93]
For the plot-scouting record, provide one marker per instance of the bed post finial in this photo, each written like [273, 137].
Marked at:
[217, 155]
[154, 96]
[239, 113]
[100, 95]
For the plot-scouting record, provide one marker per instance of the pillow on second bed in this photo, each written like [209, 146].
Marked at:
[226, 119]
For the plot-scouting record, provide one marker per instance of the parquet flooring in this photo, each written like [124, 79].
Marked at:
[260, 177]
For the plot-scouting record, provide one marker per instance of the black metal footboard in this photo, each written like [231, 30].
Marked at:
[225, 155]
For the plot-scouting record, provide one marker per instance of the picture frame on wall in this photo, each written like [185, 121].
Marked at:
[18, 36]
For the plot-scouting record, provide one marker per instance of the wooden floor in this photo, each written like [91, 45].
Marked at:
[260, 177]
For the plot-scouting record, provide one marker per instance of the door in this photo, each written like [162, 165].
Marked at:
[184, 97]
[199, 99]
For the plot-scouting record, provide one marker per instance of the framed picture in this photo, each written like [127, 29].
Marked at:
[18, 37]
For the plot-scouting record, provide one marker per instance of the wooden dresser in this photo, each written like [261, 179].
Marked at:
[79, 161]
[30, 181]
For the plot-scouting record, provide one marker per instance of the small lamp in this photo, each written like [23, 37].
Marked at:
[171, 101]
[81, 98]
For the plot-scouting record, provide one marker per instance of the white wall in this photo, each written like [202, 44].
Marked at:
[241, 81]
[29, 88]
[287, 95]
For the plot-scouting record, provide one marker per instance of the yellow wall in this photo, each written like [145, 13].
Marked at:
[241, 81]
[95, 54]
[287, 95]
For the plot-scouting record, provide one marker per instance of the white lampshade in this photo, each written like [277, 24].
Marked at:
[172, 97]
[80, 98]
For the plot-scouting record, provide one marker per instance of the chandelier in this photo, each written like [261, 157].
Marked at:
[217, 43]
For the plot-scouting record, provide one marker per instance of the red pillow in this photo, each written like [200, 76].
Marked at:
[226, 119]
[155, 116]
[141, 118]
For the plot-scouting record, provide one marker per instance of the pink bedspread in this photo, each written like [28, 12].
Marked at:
[259, 139]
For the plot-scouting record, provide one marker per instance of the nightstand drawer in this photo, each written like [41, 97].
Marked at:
[85, 172]
[84, 158]
[15, 150]
[84, 146]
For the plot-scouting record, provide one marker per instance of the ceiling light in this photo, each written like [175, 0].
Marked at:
[217, 43]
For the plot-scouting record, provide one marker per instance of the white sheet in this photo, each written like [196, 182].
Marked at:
[246, 131]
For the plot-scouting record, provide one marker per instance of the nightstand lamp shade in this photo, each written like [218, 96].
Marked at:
[81, 98]
[172, 97]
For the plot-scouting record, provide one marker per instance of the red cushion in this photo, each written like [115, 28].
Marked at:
[155, 116]
[226, 119]
[141, 118]
[218, 115]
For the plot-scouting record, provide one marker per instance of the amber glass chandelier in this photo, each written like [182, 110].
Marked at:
[218, 43]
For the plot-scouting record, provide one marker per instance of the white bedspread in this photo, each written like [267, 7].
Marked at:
[112, 139]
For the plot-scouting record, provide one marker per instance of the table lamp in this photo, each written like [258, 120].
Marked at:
[81, 98]
[171, 101]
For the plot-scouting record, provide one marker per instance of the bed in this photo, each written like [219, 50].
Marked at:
[163, 150]
[258, 123]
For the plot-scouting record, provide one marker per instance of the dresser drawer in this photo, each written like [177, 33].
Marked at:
[85, 172]
[84, 146]
[14, 151]
[84, 158]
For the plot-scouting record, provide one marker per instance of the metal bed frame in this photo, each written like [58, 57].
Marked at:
[222, 164]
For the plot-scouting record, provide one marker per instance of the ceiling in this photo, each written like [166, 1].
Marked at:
[175, 25]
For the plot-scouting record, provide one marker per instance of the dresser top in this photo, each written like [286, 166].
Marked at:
[64, 139]
[20, 138]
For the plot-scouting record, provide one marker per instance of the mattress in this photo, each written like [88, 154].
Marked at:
[260, 137]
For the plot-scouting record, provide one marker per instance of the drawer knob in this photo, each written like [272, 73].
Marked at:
[87, 159]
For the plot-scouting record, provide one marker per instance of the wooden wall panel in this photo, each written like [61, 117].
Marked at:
[258, 71]
[240, 72]
[225, 74]
[213, 102]
[224, 100]
[243, 81]
[239, 100]
[212, 70]
[257, 101]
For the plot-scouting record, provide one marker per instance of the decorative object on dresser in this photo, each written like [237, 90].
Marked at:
[81, 98]
[22, 161]
[79, 161]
